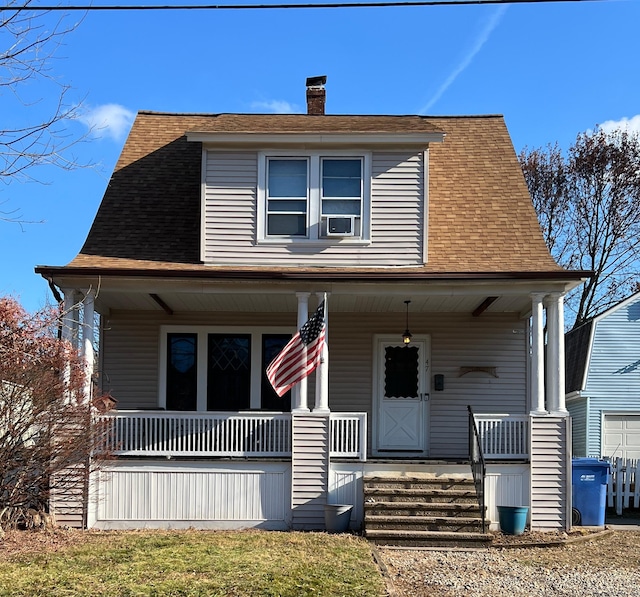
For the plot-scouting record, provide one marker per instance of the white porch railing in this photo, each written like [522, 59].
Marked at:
[503, 437]
[348, 435]
[247, 434]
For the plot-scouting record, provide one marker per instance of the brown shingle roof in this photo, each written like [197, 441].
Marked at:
[303, 123]
[480, 215]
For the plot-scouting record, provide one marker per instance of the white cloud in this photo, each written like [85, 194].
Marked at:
[631, 124]
[482, 38]
[108, 120]
[276, 107]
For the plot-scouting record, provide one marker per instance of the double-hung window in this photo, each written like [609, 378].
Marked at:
[287, 196]
[341, 196]
[314, 196]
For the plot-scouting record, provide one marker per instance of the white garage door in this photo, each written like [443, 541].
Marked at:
[621, 436]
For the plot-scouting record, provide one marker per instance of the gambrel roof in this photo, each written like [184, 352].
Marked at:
[480, 218]
[579, 343]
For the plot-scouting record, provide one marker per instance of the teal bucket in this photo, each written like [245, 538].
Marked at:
[513, 519]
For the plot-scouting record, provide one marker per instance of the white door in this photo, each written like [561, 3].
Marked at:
[621, 435]
[402, 397]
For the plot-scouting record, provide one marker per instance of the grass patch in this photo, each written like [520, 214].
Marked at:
[189, 563]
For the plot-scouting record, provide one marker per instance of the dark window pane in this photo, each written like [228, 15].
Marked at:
[286, 225]
[401, 371]
[272, 344]
[229, 372]
[290, 205]
[182, 358]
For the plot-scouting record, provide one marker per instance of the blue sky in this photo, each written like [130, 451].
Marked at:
[553, 70]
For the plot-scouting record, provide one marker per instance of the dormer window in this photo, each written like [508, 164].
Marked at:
[341, 196]
[315, 196]
[287, 196]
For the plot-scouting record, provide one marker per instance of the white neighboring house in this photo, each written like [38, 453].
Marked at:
[215, 239]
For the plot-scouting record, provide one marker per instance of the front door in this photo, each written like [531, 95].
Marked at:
[402, 397]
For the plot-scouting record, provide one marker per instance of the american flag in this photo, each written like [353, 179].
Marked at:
[300, 356]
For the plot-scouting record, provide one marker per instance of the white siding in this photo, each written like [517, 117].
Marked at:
[132, 494]
[309, 471]
[345, 487]
[505, 485]
[550, 473]
[230, 215]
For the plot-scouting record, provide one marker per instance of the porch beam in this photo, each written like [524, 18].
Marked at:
[484, 305]
[166, 308]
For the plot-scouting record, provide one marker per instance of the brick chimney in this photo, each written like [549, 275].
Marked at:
[316, 95]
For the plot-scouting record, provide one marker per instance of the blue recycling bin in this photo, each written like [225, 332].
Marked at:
[589, 480]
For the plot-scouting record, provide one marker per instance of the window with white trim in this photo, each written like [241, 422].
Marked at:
[315, 196]
[219, 369]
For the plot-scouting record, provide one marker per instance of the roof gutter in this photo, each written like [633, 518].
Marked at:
[331, 275]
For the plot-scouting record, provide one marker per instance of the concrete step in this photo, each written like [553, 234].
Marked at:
[418, 482]
[428, 538]
[427, 495]
[423, 511]
[398, 508]
[423, 523]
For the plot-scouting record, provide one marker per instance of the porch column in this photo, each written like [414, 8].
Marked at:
[322, 371]
[87, 342]
[555, 354]
[300, 390]
[537, 355]
[70, 318]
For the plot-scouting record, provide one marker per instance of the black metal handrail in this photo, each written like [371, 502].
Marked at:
[478, 467]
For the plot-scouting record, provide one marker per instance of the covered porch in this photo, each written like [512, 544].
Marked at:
[474, 344]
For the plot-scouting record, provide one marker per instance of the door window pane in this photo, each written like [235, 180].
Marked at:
[272, 344]
[401, 372]
[229, 372]
[182, 353]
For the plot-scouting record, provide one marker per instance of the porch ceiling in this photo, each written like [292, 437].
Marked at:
[348, 300]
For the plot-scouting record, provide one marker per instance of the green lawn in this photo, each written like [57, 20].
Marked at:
[188, 563]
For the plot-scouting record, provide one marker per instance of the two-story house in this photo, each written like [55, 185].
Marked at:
[217, 237]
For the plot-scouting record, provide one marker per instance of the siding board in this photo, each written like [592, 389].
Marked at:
[550, 481]
[397, 212]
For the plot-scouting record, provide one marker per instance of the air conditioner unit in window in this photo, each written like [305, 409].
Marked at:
[340, 226]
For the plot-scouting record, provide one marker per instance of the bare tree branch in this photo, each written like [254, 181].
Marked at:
[588, 205]
[29, 43]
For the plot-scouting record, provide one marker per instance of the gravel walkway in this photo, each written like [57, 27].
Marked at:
[575, 571]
